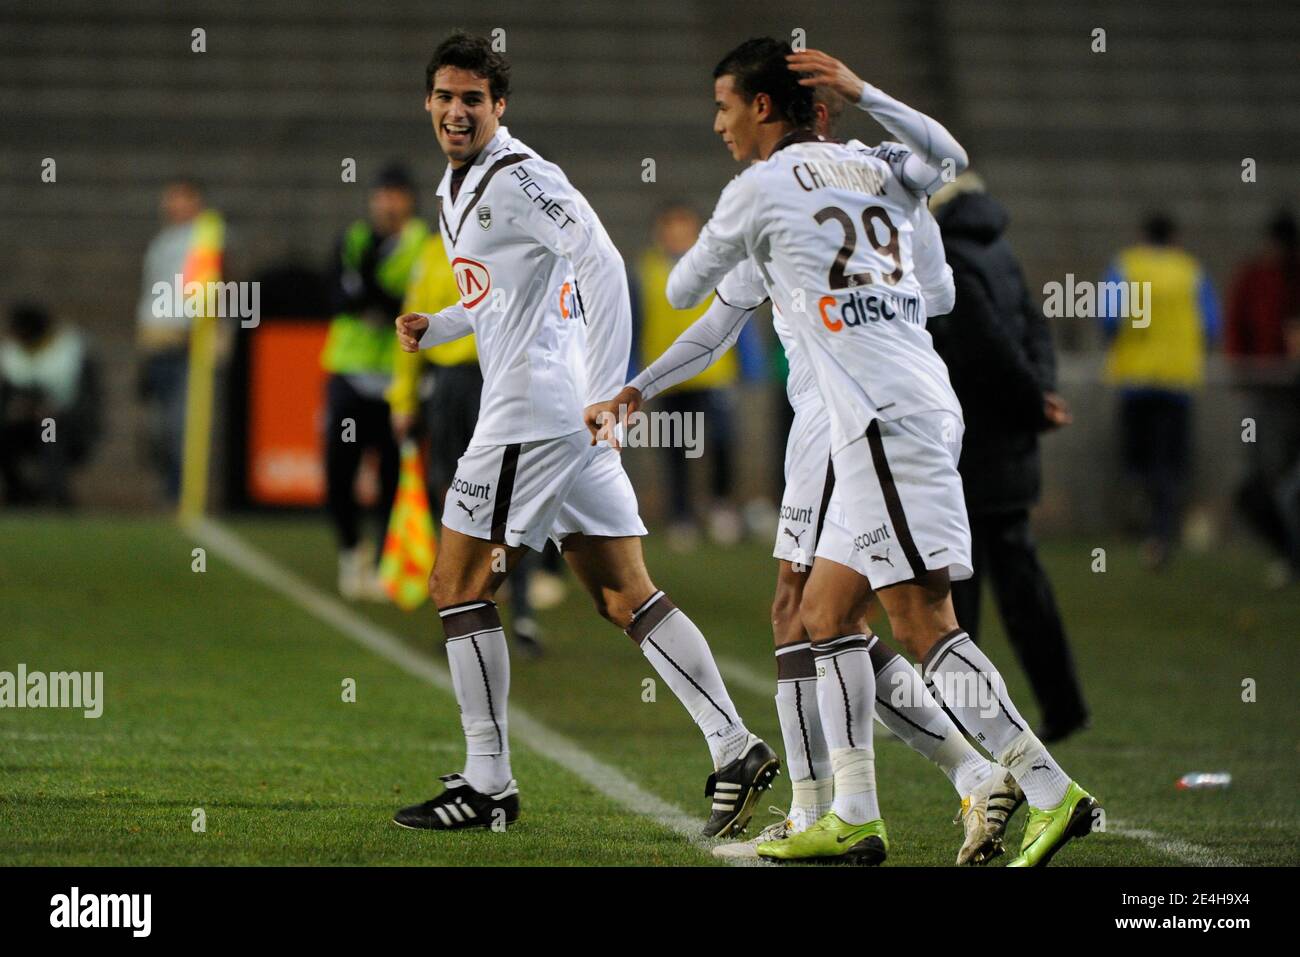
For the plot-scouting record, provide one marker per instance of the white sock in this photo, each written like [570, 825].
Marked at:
[846, 690]
[682, 658]
[812, 799]
[974, 692]
[480, 675]
[806, 755]
[965, 767]
[1038, 775]
[905, 706]
[855, 785]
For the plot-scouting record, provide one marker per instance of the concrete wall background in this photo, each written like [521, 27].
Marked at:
[1078, 144]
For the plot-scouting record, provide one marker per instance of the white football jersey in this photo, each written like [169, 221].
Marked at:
[743, 287]
[542, 288]
[832, 229]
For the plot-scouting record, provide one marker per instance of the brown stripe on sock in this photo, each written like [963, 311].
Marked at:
[796, 662]
[833, 646]
[881, 655]
[458, 624]
[648, 619]
[939, 649]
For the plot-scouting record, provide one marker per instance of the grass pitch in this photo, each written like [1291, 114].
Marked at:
[222, 695]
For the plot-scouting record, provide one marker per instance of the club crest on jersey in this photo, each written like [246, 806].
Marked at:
[485, 217]
[472, 280]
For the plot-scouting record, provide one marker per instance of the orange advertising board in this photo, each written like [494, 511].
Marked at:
[286, 407]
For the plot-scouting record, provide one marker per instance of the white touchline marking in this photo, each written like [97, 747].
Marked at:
[1185, 851]
[606, 779]
[743, 676]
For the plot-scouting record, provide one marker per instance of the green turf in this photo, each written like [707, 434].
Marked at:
[223, 695]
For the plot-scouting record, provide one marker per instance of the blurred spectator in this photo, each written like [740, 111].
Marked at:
[191, 245]
[1264, 302]
[1263, 334]
[998, 349]
[1157, 364]
[368, 279]
[657, 325]
[442, 386]
[50, 406]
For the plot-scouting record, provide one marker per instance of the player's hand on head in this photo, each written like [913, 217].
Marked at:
[822, 69]
[410, 327]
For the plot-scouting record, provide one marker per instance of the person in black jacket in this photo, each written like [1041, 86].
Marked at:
[999, 353]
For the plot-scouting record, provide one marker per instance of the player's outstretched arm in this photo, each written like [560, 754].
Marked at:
[719, 248]
[935, 150]
[700, 345]
[420, 330]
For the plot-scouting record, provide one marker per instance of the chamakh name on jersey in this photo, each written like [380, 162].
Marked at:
[832, 229]
[542, 288]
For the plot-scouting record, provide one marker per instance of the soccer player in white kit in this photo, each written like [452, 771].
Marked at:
[832, 232]
[545, 292]
[988, 795]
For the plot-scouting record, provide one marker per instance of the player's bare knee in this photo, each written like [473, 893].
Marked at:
[787, 625]
[451, 589]
[621, 607]
[913, 641]
[818, 620]
[603, 609]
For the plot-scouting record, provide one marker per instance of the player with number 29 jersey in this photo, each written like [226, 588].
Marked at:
[831, 228]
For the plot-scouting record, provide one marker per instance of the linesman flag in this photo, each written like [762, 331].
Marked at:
[409, 547]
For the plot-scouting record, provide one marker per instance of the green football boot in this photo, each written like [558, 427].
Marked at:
[832, 838]
[1046, 832]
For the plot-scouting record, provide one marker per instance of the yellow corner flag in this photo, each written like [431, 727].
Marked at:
[409, 547]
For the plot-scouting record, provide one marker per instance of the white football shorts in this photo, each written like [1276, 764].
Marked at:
[808, 483]
[525, 493]
[898, 508]
[805, 529]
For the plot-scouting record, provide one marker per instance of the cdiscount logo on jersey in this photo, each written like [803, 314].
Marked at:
[860, 308]
[472, 280]
[570, 304]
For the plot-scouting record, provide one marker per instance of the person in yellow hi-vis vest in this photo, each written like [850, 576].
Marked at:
[707, 396]
[372, 266]
[1156, 356]
[438, 390]
[190, 248]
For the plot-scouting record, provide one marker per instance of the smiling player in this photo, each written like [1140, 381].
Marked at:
[545, 293]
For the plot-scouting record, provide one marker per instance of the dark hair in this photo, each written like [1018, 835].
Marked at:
[759, 66]
[471, 53]
[1282, 228]
[29, 321]
[394, 175]
[1159, 229]
[833, 103]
